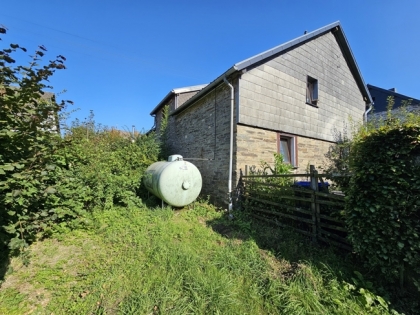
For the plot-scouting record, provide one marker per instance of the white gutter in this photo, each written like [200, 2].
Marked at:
[231, 143]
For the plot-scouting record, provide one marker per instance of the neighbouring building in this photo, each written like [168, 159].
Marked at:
[291, 99]
[380, 98]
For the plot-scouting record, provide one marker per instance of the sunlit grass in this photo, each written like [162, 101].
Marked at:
[160, 261]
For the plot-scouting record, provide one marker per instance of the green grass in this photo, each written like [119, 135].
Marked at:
[191, 261]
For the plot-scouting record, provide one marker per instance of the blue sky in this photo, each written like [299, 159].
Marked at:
[124, 56]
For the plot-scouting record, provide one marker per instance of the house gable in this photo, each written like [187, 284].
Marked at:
[273, 92]
[242, 66]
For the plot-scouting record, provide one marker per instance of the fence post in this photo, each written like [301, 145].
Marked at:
[240, 190]
[314, 206]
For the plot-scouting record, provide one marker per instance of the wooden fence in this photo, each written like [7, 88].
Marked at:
[305, 206]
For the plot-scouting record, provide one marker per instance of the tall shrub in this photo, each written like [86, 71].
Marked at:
[383, 199]
[109, 163]
[34, 191]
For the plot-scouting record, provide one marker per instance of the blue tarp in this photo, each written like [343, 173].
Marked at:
[307, 184]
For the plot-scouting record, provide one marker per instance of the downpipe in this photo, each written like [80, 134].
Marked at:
[367, 112]
[230, 147]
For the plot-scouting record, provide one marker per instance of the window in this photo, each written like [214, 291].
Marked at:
[312, 91]
[287, 148]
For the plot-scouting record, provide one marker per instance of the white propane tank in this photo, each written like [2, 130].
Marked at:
[176, 182]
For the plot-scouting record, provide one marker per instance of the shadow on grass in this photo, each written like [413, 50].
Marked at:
[4, 257]
[295, 249]
[284, 243]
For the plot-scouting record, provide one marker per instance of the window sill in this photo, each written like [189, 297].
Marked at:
[313, 105]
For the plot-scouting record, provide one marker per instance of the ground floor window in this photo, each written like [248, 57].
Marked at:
[287, 146]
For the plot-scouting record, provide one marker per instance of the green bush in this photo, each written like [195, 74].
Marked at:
[279, 168]
[48, 182]
[383, 200]
[35, 190]
[108, 162]
[267, 187]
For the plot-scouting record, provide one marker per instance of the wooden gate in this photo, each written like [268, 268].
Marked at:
[308, 206]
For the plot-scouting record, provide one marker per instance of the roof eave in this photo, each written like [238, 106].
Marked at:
[204, 91]
[344, 44]
[162, 103]
[340, 36]
[174, 92]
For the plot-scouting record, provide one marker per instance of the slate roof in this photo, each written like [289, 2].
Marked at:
[380, 96]
[337, 30]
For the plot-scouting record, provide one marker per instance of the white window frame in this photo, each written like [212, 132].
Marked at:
[292, 146]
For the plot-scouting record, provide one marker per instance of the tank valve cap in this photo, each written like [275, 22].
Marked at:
[185, 185]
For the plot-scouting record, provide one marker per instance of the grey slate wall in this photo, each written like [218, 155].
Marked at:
[273, 94]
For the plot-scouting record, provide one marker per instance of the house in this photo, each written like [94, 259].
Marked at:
[380, 99]
[290, 99]
[51, 123]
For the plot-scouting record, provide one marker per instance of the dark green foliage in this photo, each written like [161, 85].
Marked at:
[34, 192]
[109, 162]
[338, 156]
[48, 183]
[383, 201]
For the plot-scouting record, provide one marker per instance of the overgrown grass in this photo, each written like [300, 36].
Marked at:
[191, 261]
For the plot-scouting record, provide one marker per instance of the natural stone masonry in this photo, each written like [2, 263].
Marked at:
[255, 145]
[201, 133]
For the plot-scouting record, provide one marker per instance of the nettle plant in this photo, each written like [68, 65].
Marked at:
[32, 184]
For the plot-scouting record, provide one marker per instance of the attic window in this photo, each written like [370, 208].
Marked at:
[311, 91]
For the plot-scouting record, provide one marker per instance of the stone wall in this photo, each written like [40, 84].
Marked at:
[159, 114]
[255, 145]
[201, 134]
[174, 102]
[311, 151]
